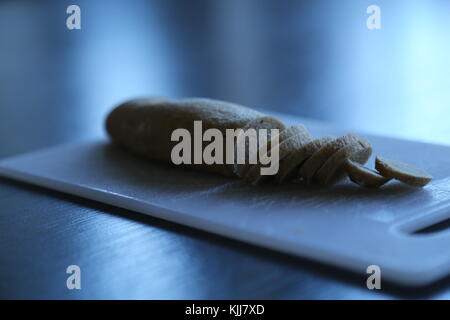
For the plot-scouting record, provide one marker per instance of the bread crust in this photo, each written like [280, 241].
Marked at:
[403, 172]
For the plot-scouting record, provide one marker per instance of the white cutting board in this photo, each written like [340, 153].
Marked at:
[343, 225]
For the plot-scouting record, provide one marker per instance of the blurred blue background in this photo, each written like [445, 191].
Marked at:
[311, 58]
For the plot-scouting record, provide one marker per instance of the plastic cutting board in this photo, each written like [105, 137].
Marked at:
[343, 225]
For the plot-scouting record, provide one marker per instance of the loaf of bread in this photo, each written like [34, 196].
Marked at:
[145, 127]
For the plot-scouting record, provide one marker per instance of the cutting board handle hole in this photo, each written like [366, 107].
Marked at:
[439, 227]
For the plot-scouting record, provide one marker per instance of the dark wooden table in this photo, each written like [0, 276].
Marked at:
[56, 86]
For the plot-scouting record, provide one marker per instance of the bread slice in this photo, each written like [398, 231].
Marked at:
[285, 147]
[289, 165]
[333, 169]
[265, 122]
[403, 172]
[283, 135]
[364, 176]
[316, 161]
[267, 146]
